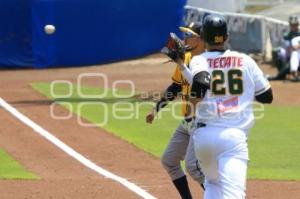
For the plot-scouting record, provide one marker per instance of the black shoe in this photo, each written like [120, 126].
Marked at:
[202, 185]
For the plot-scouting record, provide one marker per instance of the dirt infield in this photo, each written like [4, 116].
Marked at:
[64, 177]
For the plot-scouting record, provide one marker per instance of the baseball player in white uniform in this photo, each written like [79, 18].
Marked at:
[295, 57]
[224, 113]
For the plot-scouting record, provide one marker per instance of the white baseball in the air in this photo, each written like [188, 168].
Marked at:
[49, 29]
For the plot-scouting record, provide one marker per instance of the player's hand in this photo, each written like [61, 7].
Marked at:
[150, 117]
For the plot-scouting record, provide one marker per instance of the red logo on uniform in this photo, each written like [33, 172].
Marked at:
[225, 62]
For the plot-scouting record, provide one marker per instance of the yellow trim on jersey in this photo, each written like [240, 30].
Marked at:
[178, 78]
[175, 81]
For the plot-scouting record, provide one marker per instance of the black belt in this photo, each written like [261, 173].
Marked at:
[200, 125]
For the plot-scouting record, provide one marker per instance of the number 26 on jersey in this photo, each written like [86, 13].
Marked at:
[227, 82]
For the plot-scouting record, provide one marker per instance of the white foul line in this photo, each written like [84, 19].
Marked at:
[139, 191]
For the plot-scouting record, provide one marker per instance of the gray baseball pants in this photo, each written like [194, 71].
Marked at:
[181, 147]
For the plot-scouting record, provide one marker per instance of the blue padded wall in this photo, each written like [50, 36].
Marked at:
[92, 31]
[15, 33]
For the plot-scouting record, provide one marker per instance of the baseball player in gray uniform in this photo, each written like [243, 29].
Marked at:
[180, 146]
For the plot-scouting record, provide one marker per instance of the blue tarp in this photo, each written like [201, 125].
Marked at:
[87, 31]
[15, 33]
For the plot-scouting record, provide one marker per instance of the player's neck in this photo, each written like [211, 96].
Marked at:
[196, 51]
[216, 48]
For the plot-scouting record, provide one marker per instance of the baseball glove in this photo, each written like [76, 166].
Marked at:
[174, 48]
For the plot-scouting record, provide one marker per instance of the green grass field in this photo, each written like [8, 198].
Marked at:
[273, 141]
[10, 169]
[256, 8]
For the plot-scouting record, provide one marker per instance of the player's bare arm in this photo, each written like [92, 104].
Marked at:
[185, 71]
[169, 95]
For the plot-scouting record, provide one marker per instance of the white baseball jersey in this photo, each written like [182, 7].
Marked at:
[295, 42]
[235, 81]
[295, 55]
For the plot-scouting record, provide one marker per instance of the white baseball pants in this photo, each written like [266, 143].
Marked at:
[294, 60]
[223, 158]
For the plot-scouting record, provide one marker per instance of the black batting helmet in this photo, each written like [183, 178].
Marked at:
[214, 29]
